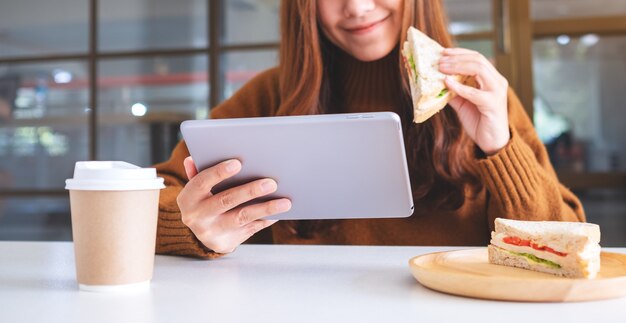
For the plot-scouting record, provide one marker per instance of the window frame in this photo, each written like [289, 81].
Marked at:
[512, 36]
[214, 50]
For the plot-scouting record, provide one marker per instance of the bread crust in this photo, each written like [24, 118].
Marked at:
[431, 109]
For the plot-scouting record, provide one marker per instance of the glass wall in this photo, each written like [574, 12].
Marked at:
[143, 100]
[241, 66]
[470, 17]
[150, 68]
[247, 22]
[152, 24]
[35, 218]
[579, 72]
[43, 123]
[251, 22]
[471, 22]
[38, 27]
[119, 91]
[569, 9]
[579, 85]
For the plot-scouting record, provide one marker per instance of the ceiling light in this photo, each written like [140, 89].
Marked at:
[563, 40]
[62, 76]
[138, 110]
[589, 39]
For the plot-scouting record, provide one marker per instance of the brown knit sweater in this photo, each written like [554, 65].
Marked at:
[519, 181]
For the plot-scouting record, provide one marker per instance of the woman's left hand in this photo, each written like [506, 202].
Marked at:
[482, 110]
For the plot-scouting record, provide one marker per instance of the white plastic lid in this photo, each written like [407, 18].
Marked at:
[112, 176]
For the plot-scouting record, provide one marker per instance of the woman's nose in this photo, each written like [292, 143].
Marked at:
[358, 8]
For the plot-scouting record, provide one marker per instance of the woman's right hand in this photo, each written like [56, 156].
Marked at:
[218, 220]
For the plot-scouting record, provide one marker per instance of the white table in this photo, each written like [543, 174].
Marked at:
[272, 283]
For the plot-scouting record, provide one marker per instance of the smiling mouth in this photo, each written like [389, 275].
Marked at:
[367, 27]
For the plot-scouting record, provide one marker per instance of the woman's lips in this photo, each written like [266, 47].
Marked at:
[365, 28]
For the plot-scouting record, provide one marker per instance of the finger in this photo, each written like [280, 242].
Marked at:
[190, 167]
[223, 202]
[467, 64]
[242, 216]
[486, 76]
[459, 51]
[200, 185]
[252, 228]
[456, 52]
[233, 236]
[468, 56]
[240, 236]
[474, 95]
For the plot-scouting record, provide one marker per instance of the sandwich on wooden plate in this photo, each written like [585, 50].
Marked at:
[429, 93]
[568, 249]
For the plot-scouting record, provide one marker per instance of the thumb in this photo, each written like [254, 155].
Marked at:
[190, 167]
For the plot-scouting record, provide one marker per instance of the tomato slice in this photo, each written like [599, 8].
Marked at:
[516, 241]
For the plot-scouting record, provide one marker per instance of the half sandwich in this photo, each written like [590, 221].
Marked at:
[568, 249]
[429, 93]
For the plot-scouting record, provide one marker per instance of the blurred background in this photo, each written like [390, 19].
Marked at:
[112, 80]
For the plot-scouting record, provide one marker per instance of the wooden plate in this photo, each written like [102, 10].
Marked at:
[469, 273]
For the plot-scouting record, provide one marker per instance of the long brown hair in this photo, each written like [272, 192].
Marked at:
[439, 153]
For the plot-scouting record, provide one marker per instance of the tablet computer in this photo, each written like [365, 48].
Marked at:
[335, 166]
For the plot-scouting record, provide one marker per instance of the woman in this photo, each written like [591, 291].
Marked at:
[476, 160]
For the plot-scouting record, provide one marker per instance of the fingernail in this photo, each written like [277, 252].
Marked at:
[283, 205]
[444, 66]
[268, 186]
[232, 166]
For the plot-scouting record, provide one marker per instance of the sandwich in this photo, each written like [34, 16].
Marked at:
[568, 249]
[421, 57]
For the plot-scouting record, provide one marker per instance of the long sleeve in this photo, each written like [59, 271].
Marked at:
[173, 236]
[520, 180]
[257, 98]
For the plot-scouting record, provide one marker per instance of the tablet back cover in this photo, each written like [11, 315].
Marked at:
[330, 166]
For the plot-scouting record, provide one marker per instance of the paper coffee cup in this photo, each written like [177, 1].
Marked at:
[114, 208]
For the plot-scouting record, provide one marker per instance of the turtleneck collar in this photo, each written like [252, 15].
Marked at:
[358, 86]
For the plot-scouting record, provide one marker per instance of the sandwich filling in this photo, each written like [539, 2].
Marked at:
[516, 241]
[411, 67]
[532, 258]
[544, 255]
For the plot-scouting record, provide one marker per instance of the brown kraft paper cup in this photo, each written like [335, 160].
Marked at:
[114, 236]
